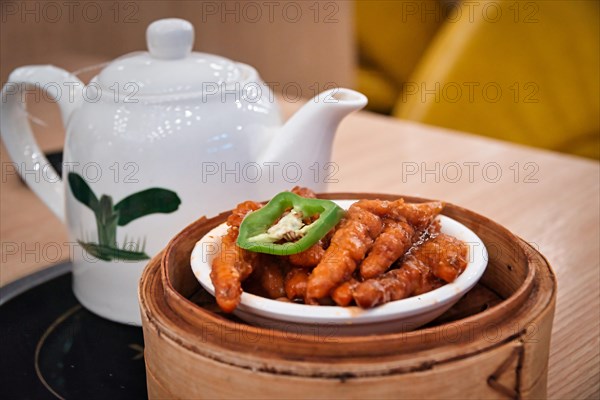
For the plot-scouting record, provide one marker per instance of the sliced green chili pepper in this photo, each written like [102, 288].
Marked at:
[259, 232]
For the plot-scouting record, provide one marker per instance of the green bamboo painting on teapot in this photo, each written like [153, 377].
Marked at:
[109, 216]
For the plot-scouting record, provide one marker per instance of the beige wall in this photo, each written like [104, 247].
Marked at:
[287, 41]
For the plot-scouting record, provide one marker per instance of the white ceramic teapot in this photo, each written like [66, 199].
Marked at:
[156, 140]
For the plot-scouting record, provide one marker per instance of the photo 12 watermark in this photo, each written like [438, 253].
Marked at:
[524, 12]
[468, 172]
[290, 172]
[91, 171]
[252, 12]
[54, 252]
[70, 11]
[470, 92]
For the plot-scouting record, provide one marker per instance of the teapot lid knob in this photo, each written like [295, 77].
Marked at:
[170, 38]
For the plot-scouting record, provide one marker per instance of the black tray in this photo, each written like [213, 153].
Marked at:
[51, 347]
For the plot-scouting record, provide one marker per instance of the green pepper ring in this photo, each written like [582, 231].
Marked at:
[261, 220]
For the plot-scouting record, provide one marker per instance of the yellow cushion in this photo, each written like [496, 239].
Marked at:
[381, 91]
[391, 36]
[534, 81]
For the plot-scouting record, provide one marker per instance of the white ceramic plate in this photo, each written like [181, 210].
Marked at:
[396, 316]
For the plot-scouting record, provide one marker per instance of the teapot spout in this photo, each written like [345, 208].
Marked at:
[307, 136]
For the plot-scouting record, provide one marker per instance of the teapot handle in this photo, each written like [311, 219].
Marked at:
[67, 91]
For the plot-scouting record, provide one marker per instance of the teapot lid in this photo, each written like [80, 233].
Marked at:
[169, 66]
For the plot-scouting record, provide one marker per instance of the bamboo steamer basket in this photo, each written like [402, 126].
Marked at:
[493, 343]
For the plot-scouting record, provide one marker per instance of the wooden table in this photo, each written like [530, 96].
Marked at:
[548, 199]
